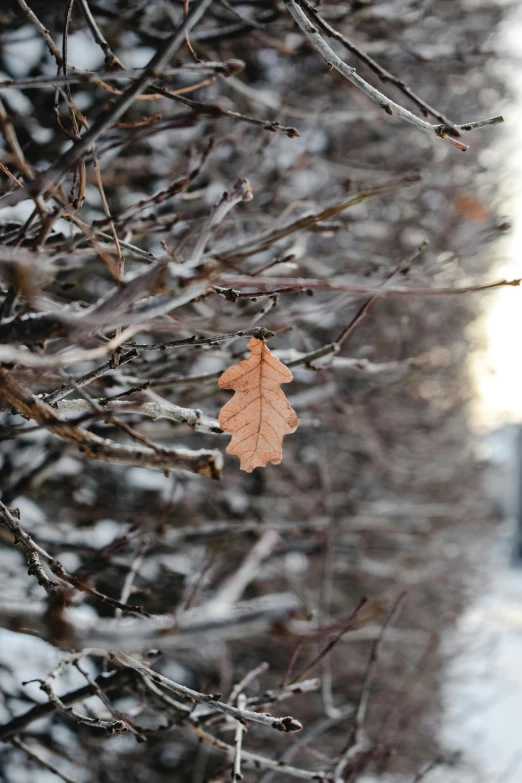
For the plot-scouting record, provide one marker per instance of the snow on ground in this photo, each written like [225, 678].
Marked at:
[483, 687]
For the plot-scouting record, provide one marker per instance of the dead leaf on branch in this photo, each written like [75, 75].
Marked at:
[259, 414]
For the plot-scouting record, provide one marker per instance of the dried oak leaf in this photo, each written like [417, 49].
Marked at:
[258, 415]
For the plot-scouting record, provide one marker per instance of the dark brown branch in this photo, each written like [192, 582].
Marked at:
[260, 332]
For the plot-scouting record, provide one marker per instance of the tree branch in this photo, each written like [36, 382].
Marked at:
[389, 106]
[204, 461]
[56, 172]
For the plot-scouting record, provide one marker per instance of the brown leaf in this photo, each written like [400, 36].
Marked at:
[471, 208]
[258, 415]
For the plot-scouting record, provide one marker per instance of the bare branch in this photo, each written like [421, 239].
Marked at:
[17, 742]
[156, 407]
[107, 683]
[31, 549]
[56, 172]
[382, 73]
[389, 106]
[257, 244]
[256, 761]
[358, 741]
[244, 716]
[77, 76]
[296, 285]
[34, 552]
[238, 742]
[206, 462]
[53, 397]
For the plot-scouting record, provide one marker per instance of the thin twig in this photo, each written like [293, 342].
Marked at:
[259, 332]
[256, 761]
[18, 743]
[284, 725]
[238, 742]
[297, 285]
[204, 461]
[132, 573]
[247, 679]
[260, 242]
[382, 73]
[56, 172]
[34, 552]
[389, 106]
[106, 683]
[302, 742]
[363, 310]
[78, 76]
[102, 696]
[156, 408]
[53, 397]
[357, 740]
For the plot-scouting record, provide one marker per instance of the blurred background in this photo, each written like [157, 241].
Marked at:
[396, 507]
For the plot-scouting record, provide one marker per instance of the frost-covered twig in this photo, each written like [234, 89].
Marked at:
[156, 407]
[106, 683]
[204, 461]
[36, 553]
[238, 742]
